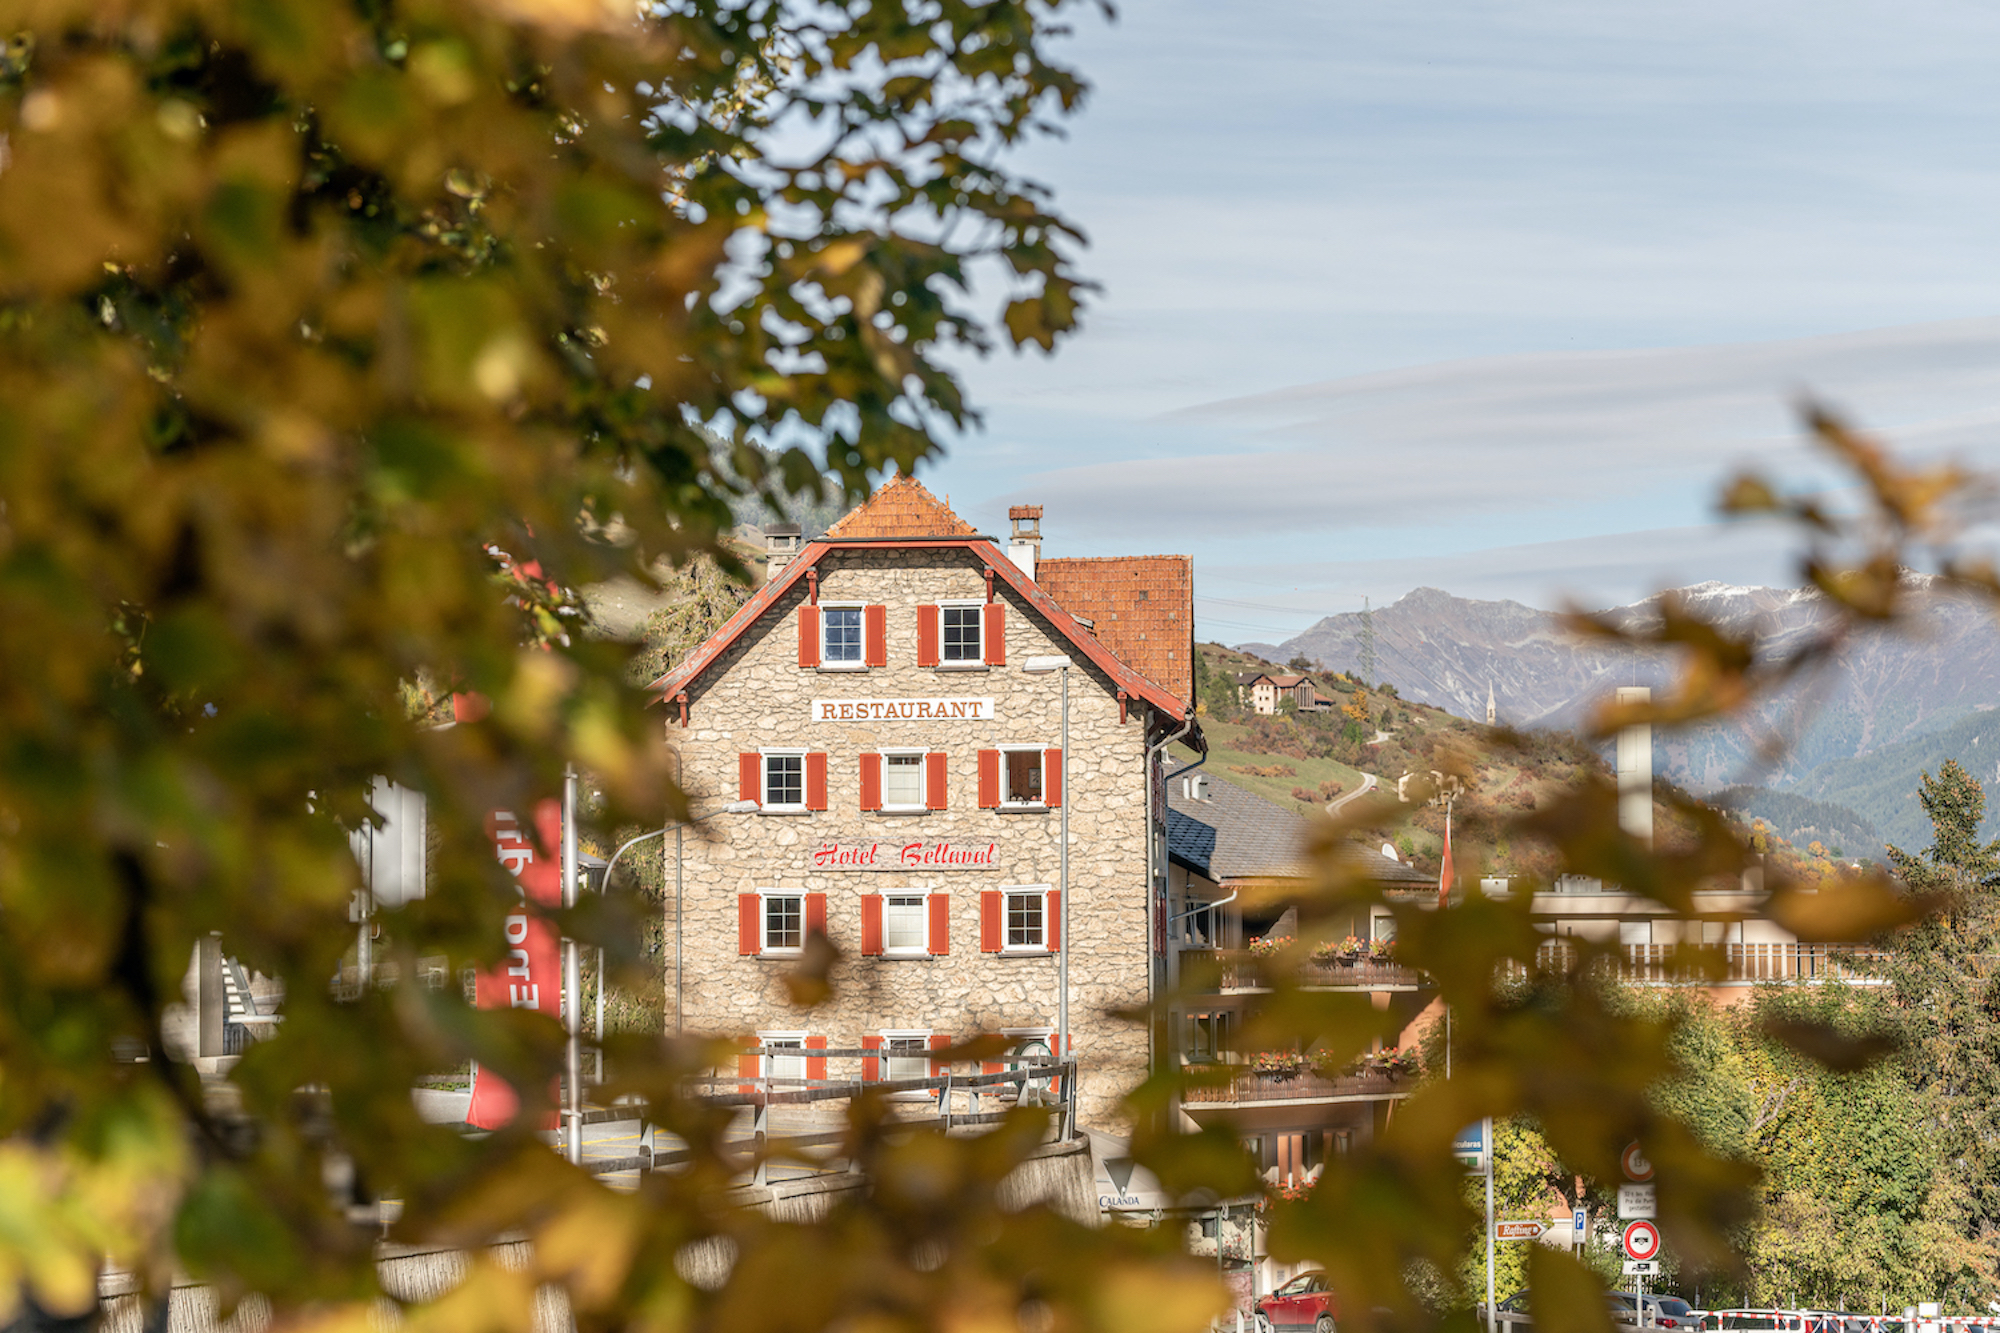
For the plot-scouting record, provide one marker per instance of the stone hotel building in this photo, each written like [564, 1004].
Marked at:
[908, 781]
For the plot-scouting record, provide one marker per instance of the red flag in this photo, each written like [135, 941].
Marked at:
[1446, 872]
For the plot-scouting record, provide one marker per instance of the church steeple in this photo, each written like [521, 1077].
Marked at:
[1489, 703]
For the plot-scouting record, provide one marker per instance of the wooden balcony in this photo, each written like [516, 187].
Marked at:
[1240, 970]
[1248, 1088]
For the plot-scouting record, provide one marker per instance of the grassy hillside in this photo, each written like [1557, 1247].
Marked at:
[1304, 760]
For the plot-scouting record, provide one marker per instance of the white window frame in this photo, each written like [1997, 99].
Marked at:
[826, 661]
[764, 945]
[978, 608]
[764, 758]
[923, 779]
[1382, 928]
[922, 1036]
[1007, 801]
[1009, 891]
[923, 950]
[768, 1065]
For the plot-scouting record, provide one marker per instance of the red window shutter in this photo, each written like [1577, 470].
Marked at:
[871, 924]
[871, 781]
[748, 1066]
[750, 777]
[808, 636]
[1052, 928]
[816, 780]
[871, 1068]
[875, 634]
[815, 914]
[748, 936]
[927, 636]
[989, 779]
[995, 634]
[815, 1064]
[940, 932]
[1052, 792]
[989, 921]
[938, 1042]
[934, 780]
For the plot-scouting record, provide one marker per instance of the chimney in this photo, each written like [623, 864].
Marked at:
[1024, 546]
[781, 547]
[1635, 769]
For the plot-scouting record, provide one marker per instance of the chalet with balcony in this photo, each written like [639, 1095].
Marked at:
[1234, 858]
[1263, 692]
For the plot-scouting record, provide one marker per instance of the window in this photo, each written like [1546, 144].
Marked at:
[783, 1066]
[1023, 771]
[905, 917]
[908, 1055]
[1208, 1036]
[1026, 924]
[903, 781]
[784, 922]
[961, 633]
[840, 636]
[784, 780]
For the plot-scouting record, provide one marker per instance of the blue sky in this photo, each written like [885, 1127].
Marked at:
[1487, 296]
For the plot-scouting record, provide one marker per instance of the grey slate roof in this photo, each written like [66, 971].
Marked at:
[1236, 834]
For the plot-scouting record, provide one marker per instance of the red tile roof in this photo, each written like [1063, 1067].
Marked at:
[904, 507]
[1142, 606]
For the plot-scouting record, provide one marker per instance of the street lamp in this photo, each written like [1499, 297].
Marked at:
[1041, 666]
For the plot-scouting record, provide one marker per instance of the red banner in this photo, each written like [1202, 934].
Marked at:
[531, 978]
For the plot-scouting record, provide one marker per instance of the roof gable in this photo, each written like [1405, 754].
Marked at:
[1142, 607]
[904, 507]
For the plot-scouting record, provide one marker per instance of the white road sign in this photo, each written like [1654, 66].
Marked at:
[1642, 1240]
[1642, 1268]
[1636, 1201]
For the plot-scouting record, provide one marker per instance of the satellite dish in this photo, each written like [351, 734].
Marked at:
[1389, 850]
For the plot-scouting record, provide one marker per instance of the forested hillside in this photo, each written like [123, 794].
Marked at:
[1882, 786]
[1804, 821]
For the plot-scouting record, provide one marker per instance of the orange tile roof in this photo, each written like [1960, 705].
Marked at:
[901, 508]
[1142, 605]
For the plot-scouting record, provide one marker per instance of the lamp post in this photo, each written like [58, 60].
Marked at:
[1060, 664]
[572, 982]
[733, 808]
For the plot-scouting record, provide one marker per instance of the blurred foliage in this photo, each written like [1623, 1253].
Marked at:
[336, 340]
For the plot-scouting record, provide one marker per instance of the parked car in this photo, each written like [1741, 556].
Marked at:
[1305, 1303]
[1661, 1311]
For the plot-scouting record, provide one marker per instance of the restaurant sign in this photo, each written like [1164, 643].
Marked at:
[902, 710]
[906, 856]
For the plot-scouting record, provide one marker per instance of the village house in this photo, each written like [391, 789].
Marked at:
[1263, 692]
[869, 754]
[1236, 864]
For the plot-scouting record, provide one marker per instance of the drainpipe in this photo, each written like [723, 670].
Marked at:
[1156, 928]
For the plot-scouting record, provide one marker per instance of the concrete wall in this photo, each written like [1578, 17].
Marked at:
[758, 696]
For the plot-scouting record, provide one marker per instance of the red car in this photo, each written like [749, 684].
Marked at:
[1303, 1305]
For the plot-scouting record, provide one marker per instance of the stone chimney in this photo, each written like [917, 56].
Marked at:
[781, 547]
[1024, 545]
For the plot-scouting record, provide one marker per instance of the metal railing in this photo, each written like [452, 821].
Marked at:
[1722, 964]
[949, 1101]
[1239, 969]
[1247, 1085]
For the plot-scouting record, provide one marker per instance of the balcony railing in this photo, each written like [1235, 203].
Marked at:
[1249, 1086]
[1242, 970]
[1654, 964]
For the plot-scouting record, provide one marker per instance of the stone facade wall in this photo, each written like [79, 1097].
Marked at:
[757, 695]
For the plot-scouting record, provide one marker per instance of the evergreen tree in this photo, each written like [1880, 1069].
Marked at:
[1944, 986]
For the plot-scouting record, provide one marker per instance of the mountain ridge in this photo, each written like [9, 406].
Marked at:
[1881, 690]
